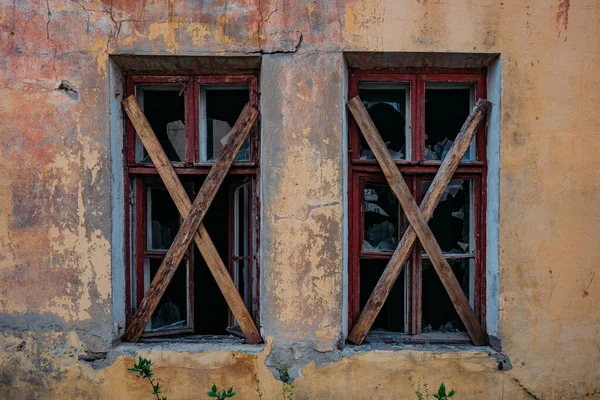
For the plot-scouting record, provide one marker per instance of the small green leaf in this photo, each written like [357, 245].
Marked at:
[230, 390]
[211, 394]
[437, 396]
[442, 390]
[214, 388]
[452, 393]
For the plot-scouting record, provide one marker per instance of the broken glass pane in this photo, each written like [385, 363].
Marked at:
[393, 316]
[388, 105]
[447, 106]
[163, 219]
[380, 218]
[220, 107]
[439, 313]
[452, 221]
[163, 105]
[172, 310]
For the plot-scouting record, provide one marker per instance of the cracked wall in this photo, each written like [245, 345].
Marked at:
[56, 217]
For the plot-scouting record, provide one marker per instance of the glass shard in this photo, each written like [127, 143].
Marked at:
[452, 221]
[380, 218]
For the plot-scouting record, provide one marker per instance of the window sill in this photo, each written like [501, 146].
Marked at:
[190, 344]
[436, 341]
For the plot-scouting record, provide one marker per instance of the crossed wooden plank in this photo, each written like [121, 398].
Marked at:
[418, 221]
[192, 227]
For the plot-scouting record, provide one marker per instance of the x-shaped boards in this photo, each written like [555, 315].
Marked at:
[418, 221]
[192, 228]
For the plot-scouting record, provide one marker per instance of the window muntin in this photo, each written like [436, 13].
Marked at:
[153, 220]
[463, 204]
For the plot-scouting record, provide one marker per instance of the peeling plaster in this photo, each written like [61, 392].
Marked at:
[59, 254]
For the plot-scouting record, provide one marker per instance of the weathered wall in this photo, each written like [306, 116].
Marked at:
[55, 175]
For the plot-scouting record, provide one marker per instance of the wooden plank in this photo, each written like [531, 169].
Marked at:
[200, 236]
[418, 218]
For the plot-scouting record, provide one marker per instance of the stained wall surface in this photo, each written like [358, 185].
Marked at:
[57, 257]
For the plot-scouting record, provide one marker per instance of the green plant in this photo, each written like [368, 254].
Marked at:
[596, 392]
[258, 391]
[144, 368]
[533, 396]
[440, 395]
[220, 394]
[288, 387]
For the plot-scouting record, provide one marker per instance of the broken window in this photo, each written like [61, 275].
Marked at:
[220, 106]
[421, 115]
[164, 106]
[453, 227]
[388, 105]
[447, 105]
[191, 117]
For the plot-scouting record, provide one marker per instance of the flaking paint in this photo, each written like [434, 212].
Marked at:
[56, 215]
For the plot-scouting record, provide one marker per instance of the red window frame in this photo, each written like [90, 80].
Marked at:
[135, 172]
[415, 171]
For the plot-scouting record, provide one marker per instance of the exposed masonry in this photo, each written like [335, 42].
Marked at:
[69, 89]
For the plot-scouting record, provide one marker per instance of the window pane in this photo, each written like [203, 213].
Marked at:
[452, 223]
[447, 106]
[164, 108]
[163, 219]
[380, 218]
[438, 310]
[393, 313]
[172, 310]
[220, 107]
[389, 107]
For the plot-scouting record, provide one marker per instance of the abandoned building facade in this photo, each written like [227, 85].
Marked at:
[370, 197]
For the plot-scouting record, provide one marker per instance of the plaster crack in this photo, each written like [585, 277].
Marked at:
[115, 35]
[263, 21]
[50, 39]
[87, 15]
[294, 50]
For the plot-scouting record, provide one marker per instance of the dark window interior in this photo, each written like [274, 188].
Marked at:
[445, 113]
[438, 311]
[450, 223]
[165, 111]
[391, 317]
[172, 311]
[210, 307]
[386, 108]
[224, 106]
[164, 218]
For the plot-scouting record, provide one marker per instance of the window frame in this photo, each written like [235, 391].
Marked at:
[414, 170]
[136, 172]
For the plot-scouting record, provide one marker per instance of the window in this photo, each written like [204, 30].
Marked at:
[418, 115]
[191, 116]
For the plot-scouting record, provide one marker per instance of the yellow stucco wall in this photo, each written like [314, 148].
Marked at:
[56, 217]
